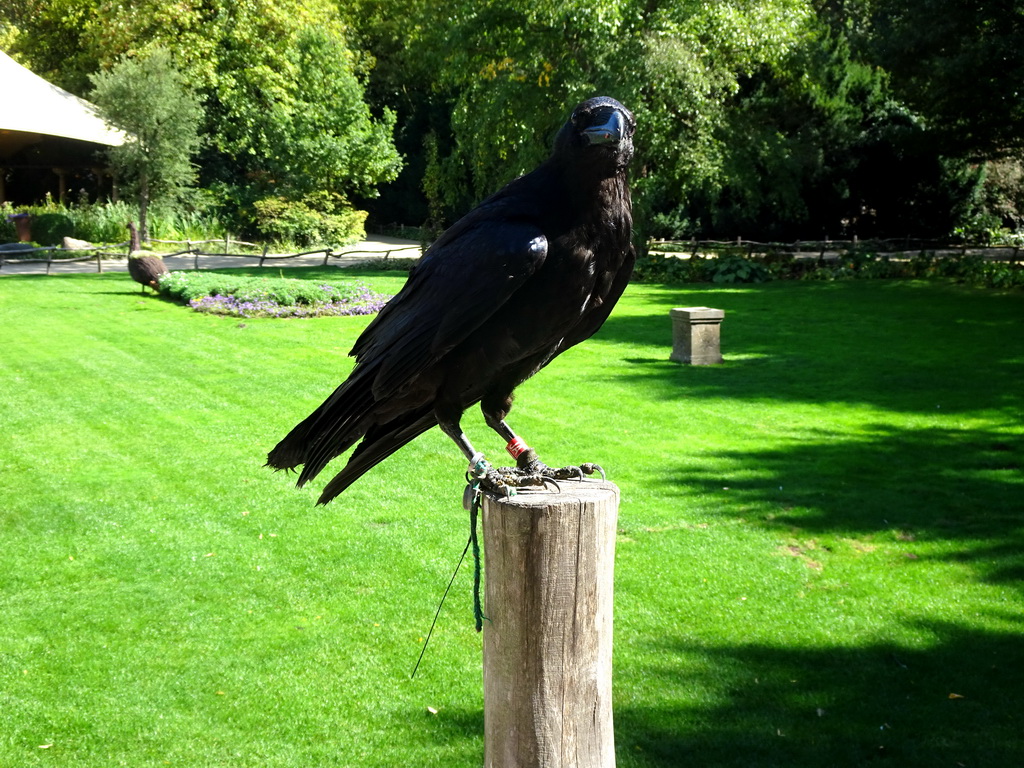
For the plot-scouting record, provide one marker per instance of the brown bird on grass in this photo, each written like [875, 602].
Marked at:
[143, 268]
[533, 270]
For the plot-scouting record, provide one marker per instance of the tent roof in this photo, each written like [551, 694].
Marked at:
[35, 106]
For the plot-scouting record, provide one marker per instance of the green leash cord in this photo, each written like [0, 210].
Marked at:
[474, 512]
[473, 500]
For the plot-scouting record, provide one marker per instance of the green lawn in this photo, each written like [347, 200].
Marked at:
[820, 558]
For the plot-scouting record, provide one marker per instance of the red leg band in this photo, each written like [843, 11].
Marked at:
[517, 447]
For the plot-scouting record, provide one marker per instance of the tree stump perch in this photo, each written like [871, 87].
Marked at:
[549, 564]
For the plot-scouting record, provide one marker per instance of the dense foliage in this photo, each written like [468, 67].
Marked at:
[284, 112]
[969, 269]
[104, 223]
[760, 118]
[766, 118]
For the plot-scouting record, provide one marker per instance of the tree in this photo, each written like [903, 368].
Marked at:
[310, 147]
[322, 136]
[960, 65]
[48, 37]
[146, 98]
[285, 113]
[507, 71]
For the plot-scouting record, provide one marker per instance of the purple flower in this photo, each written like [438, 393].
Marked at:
[362, 302]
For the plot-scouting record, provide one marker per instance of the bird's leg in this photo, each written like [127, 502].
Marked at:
[499, 479]
[451, 428]
[529, 467]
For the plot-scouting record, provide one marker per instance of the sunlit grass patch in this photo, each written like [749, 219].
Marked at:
[820, 540]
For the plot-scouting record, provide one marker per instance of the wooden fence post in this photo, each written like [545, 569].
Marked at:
[548, 635]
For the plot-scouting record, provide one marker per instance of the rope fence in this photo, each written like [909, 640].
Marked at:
[824, 249]
[193, 248]
[693, 248]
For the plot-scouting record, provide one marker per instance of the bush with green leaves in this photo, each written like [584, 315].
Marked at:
[246, 296]
[107, 222]
[737, 269]
[733, 268]
[656, 267]
[52, 228]
[7, 231]
[388, 264]
[317, 218]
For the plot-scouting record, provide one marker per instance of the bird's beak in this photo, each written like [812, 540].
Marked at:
[610, 131]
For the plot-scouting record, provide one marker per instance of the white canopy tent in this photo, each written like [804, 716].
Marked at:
[44, 128]
[39, 108]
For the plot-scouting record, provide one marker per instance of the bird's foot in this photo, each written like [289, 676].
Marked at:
[537, 468]
[529, 464]
[531, 473]
[504, 481]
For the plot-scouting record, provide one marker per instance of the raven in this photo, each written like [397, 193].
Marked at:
[531, 271]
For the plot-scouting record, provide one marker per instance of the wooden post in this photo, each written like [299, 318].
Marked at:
[548, 635]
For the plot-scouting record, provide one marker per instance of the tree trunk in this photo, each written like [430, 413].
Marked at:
[144, 207]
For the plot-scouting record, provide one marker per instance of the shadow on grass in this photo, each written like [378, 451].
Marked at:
[952, 700]
[961, 489]
[901, 346]
[914, 485]
[918, 350]
[955, 702]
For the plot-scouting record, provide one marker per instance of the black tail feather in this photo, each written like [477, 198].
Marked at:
[327, 432]
[379, 443]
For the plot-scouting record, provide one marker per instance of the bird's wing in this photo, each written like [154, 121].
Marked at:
[464, 278]
[592, 322]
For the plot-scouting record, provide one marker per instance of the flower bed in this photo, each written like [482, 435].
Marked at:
[240, 296]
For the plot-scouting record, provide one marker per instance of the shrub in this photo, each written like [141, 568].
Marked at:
[8, 234]
[317, 218]
[1000, 275]
[737, 269]
[242, 296]
[108, 222]
[655, 267]
[52, 228]
[102, 222]
[733, 268]
[389, 264]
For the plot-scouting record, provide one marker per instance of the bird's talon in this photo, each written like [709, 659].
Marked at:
[590, 469]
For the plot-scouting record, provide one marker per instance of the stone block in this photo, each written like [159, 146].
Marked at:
[696, 335]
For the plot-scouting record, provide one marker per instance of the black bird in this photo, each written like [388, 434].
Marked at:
[531, 271]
